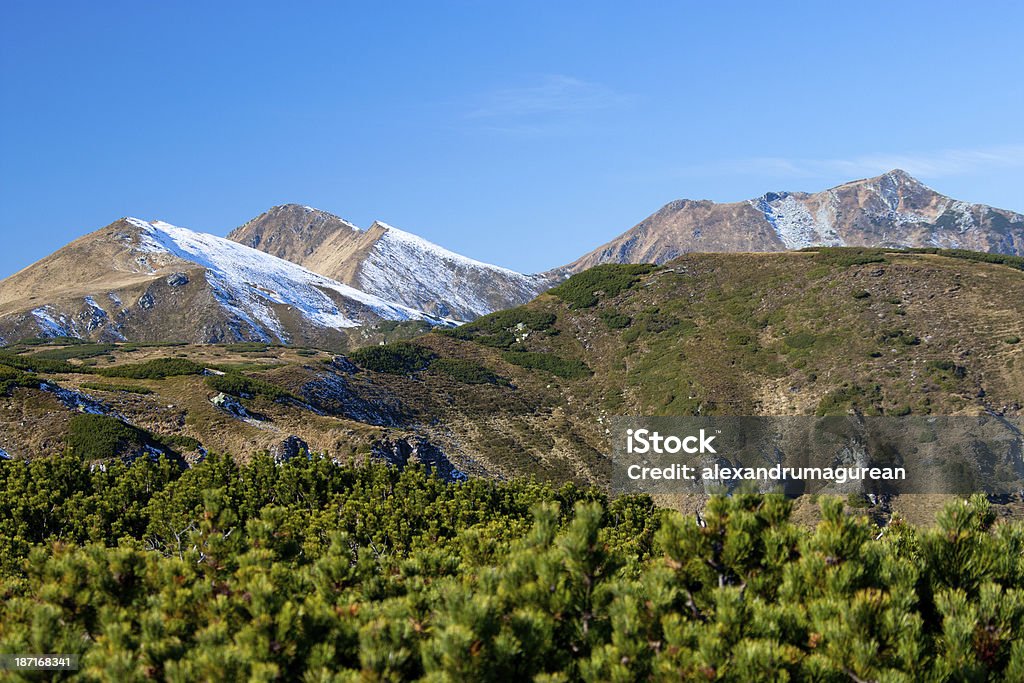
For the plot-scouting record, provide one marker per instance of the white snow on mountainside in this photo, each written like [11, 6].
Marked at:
[247, 282]
[405, 267]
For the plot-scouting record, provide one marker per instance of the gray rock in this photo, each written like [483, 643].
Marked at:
[177, 279]
[400, 453]
[292, 447]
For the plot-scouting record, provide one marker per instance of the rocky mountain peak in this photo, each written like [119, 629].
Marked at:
[291, 231]
[894, 209]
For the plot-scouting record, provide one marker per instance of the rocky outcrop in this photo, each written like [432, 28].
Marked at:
[332, 393]
[417, 451]
[292, 447]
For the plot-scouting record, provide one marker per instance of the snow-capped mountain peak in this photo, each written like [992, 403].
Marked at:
[248, 282]
[139, 280]
[391, 263]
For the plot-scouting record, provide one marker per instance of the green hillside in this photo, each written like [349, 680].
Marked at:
[528, 391]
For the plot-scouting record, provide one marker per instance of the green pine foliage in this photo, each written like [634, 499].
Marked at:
[314, 571]
[548, 362]
[503, 329]
[583, 289]
[95, 437]
[399, 358]
[237, 384]
[158, 368]
[12, 378]
[30, 363]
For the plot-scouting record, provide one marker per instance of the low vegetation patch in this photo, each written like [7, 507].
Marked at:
[237, 384]
[583, 289]
[400, 358]
[109, 386]
[12, 378]
[135, 346]
[96, 437]
[548, 362]
[465, 371]
[36, 364]
[158, 368]
[899, 337]
[177, 442]
[614, 320]
[978, 256]
[844, 257]
[849, 397]
[79, 351]
[51, 341]
[800, 340]
[500, 330]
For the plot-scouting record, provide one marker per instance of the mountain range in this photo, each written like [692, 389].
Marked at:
[892, 210]
[152, 281]
[303, 276]
[390, 263]
[530, 390]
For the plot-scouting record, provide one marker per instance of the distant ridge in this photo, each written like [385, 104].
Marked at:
[393, 264]
[891, 210]
[152, 281]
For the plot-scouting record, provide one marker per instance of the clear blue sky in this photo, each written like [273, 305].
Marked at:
[520, 133]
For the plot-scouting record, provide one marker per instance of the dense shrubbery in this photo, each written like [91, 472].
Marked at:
[237, 384]
[845, 257]
[500, 330]
[51, 341]
[11, 378]
[310, 571]
[94, 437]
[101, 437]
[582, 289]
[36, 364]
[400, 358]
[249, 347]
[158, 368]
[548, 362]
[614, 320]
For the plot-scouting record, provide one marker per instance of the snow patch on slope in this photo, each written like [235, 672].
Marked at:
[415, 244]
[50, 324]
[247, 282]
[795, 225]
[401, 264]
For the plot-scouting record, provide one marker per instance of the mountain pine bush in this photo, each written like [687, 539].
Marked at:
[314, 571]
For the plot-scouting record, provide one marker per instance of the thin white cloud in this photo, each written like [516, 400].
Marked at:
[937, 164]
[542, 106]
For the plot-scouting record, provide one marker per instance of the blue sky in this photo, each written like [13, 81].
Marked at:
[518, 133]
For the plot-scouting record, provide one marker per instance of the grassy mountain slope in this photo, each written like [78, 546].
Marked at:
[529, 390]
